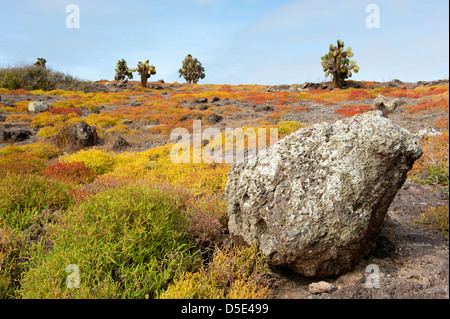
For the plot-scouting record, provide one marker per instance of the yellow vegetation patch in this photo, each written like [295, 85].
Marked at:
[39, 149]
[234, 273]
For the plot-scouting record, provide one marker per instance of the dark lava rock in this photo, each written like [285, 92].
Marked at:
[77, 136]
[120, 144]
[214, 118]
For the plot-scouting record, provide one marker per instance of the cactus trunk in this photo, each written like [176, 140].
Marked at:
[337, 81]
[144, 81]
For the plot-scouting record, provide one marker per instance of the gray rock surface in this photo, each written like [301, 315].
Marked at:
[77, 136]
[387, 105]
[315, 200]
[37, 107]
[321, 287]
[214, 118]
[120, 144]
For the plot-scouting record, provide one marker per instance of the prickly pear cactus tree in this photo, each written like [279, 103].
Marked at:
[122, 71]
[337, 64]
[41, 62]
[145, 70]
[192, 70]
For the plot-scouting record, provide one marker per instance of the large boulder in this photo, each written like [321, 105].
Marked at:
[315, 200]
[77, 136]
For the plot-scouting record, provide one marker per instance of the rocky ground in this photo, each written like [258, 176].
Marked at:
[413, 261]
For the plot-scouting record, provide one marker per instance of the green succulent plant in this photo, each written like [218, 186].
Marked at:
[41, 62]
[145, 70]
[192, 70]
[337, 63]
[122, 71]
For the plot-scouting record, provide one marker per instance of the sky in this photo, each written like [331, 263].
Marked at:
[263, 42]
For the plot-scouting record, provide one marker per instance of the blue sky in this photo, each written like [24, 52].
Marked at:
[238, 42]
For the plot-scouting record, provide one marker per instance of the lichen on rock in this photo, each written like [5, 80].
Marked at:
[315, 201]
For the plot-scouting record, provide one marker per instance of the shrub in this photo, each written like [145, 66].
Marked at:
[49, 131]
[20, 163]
[155, 165]
[287, 127]
[74, 172]
[436, 218]
[13, 247]
[22, 197]
[351, 110]
[442, 123]
[22, 107]
[206, 218]
[233, 273]
[18, 92]
[44, 119]
[64, 111]
[193, 286]
[103, 119]
[435, 160]
[103, 183]
[430, 106]
[360, 95]
[38, 78]
[101, 162]
[67, 104]
[8, 109]
[128, 242]
[38, 149]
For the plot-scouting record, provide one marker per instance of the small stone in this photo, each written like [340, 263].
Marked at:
[38, 107]
[185, 118]
[321, 287]
[120, 144]
[202, 107]
[201, 100]
[214, 118]
[263, 107]
[387, 105]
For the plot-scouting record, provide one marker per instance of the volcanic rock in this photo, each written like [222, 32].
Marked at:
[37, 107]
[315, 201]
[77, 136]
